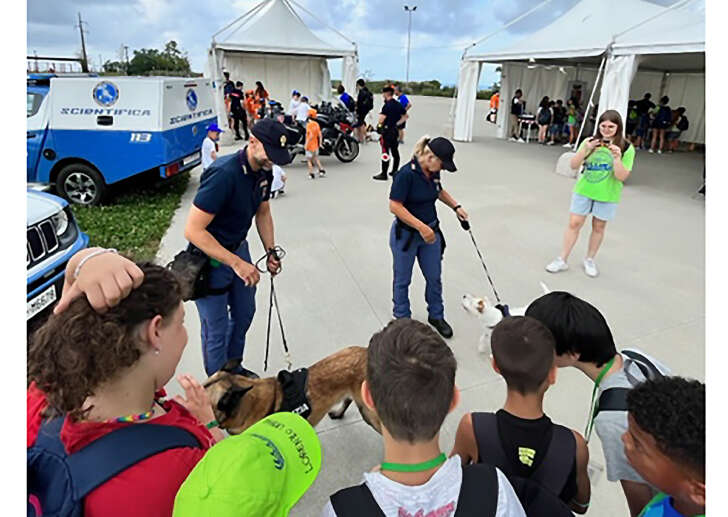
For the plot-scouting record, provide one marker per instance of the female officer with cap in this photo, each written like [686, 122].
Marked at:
[416, 231]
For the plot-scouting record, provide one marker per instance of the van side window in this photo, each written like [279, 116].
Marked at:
[34, 100]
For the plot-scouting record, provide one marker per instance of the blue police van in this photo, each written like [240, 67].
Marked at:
[88, 132]
[52, 238]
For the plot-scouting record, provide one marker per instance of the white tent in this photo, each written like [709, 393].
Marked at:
[271, 43]
[654, 48]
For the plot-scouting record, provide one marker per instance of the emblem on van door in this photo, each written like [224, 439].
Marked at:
[191, 99]
[105, 93]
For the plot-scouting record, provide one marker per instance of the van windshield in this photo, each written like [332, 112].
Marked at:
[34, 100]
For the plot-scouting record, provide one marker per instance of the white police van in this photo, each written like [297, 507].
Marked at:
[86, 133]
[53, 237]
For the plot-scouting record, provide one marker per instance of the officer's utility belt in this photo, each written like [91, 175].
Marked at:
[193, 267]
[400, 227]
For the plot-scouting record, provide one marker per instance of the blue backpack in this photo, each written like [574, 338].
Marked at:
[58, 482]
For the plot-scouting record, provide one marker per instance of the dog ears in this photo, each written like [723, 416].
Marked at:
[232, 365]
[231, 399]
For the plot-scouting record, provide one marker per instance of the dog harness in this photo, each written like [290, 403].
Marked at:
[294, 386]
[505, 311]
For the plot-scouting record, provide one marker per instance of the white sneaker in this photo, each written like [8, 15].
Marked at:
[659, 151]
[521, 141]
[557, 265]
[550, 142]
[566, 145]
[512, 139]
[590, 268]
[651, 151]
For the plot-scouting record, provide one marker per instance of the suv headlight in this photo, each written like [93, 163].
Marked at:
[66, 228]
[60, 222]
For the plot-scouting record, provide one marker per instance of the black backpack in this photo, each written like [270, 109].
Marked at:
[478, 496]
[58, 482]
[539, 493]
[544, 116]
[615, 399]
[367, 103]
[683, 123]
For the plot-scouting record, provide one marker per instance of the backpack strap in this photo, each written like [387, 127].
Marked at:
[490, 449]
[612, 399]
[478, 491]
[355, 501]
[558, 461]
[649, 370]
[114, 452]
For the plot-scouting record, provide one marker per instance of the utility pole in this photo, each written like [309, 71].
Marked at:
[409, 10]
[126, 60]
[84, 63]
[35, 54]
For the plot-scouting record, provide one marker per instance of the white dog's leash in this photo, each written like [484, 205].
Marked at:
[466, 226]
[278, 253]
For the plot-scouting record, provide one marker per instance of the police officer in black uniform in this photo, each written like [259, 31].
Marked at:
[415, 233]
[392, 114]
[238, 111]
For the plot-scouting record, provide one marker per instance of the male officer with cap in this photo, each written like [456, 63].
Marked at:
[234, 190]
[415, 233]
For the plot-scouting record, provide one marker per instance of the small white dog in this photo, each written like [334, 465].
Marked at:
[489, 315]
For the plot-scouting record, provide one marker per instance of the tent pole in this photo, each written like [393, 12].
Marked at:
[240, 18]
[591, 98]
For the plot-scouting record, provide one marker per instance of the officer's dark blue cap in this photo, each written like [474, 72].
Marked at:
[444, 150]
[274, 137]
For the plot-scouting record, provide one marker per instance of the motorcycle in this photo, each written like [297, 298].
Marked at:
[336, 124]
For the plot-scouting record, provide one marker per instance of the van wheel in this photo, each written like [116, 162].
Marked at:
[80, 184]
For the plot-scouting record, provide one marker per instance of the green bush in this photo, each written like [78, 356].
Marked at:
[428, 88]
[135, 218]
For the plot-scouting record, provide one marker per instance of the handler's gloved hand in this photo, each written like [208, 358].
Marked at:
[465, 224]
[380, 128]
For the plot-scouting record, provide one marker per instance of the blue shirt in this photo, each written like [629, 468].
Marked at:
[416, 192]
[660, 506]
[393, 111]
[348, 100]
[232, 191]
[403, 100]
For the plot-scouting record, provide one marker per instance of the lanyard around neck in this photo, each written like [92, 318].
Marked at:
[592, 405]
[415, 467]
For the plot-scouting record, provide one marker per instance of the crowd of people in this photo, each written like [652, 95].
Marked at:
[99, 366]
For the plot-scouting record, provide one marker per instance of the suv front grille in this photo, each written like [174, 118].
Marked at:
[42, 241]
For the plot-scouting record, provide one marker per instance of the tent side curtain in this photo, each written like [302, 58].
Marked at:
[350, 73]
[615, 90]
[465, 103]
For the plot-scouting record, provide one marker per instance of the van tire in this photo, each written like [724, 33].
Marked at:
[81, 184]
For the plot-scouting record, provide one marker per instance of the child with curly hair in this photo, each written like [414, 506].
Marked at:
[665, 443]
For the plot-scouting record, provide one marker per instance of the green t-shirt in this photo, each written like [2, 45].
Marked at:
[598, 181]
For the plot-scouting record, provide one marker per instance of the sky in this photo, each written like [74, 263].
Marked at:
[440, 29]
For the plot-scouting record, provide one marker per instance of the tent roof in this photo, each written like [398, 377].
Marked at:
[678, 30]
[584, 30]
[274, 27]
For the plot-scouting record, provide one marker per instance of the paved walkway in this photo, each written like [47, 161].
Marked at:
[336, 286]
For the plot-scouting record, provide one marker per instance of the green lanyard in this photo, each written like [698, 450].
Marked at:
[415, 467]
[592, 406]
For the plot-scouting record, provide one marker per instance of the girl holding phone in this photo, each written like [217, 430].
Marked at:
[607, 158]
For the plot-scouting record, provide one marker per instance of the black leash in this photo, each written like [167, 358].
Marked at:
[278, 253]
[466, 226]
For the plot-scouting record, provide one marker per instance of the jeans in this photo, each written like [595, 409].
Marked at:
[429, 258]
[225, 318]
[390, 145]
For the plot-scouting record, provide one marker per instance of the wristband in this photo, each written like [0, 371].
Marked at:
[212, 424]
[89, 256]
[456, 207]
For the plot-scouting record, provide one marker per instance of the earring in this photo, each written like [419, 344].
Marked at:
[156, 351]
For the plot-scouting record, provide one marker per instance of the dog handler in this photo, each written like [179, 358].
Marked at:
[233, 191]
[415, 232]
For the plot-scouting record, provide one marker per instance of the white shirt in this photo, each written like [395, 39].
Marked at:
[208, 147]
[278, 176]
[439, 496]
[293, 107]
[302, 111]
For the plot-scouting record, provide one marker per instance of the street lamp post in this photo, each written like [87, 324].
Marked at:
[409, 10]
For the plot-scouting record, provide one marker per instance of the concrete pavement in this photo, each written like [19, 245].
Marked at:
[335, 289]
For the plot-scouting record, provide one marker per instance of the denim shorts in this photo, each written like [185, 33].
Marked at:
[582, 205]
[312, 154]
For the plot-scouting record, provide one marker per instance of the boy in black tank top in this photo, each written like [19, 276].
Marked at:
[520, 439]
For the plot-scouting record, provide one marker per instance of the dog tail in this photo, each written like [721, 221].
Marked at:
[545, 288]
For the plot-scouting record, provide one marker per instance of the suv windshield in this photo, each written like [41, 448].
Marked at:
[34, 100]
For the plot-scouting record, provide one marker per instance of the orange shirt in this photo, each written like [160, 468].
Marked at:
[494, 100]
[313, 133]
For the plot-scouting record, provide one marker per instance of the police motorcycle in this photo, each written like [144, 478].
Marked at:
[336, 124]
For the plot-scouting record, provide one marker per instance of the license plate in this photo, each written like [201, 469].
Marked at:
[40, 302]
[191, 158]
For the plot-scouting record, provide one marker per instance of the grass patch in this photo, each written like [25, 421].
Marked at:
[134, 218]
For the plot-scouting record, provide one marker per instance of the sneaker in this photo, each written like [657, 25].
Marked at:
[442, 327]
[659, 151]
[556, 265]
[521, 141]
[650, 150]
[311, 175]
[512, 139]
[281, 193]
[322, 173]
[590, 268]
[382, 176]
[551, 143]
[566, 145]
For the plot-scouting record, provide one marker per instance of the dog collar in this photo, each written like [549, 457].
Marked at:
[505, 311]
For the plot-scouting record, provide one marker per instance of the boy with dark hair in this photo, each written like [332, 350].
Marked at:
[665, 443]
[584, 341]
[520, 439]
[411, 386]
